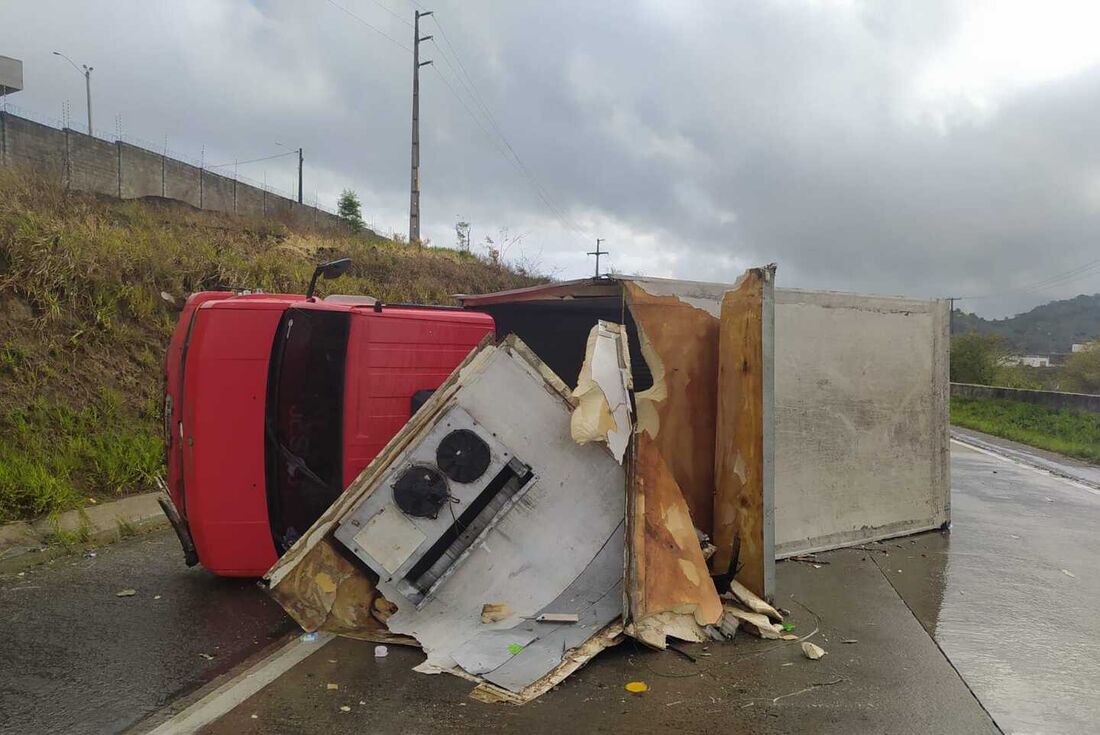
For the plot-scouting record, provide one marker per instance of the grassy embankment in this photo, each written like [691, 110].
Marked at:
[89, 293]
[1075, 434]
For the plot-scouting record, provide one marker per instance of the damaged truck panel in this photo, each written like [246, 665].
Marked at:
[681, 342]
[743, 533]
[861, 418]
[554, 547]
[669, 589]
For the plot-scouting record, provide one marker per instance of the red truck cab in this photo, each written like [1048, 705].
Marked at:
[275, 403]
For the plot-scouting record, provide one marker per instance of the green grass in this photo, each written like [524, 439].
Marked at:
[90, 289]
[1075, 434]
[55, 456]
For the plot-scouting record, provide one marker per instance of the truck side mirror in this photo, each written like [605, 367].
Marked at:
[330, 270]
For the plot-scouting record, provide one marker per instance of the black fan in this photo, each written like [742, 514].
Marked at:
[463, 455]
[420, 491]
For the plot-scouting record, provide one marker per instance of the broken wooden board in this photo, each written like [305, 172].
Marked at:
[669, 589]
[743, 534]
[556, 547]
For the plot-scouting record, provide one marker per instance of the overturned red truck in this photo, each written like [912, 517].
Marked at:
[274, 403]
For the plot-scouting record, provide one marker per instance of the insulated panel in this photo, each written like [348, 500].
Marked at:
[860, 418]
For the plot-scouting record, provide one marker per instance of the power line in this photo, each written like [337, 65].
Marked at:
[374, 28]
[254, 160]
[508, 152]
[468, 82]
[1090, 268]
[385, 7]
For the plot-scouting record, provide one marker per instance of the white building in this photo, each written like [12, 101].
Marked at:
[1026, 360]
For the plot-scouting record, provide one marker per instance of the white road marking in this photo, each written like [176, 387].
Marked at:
[1025, 465]
[241, 687]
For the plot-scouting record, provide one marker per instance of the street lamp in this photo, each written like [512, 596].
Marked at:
[87, 72]
[299, 169]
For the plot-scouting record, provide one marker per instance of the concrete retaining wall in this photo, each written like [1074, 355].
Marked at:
[217, 192]
[250, 200]
[142, 172]
[93, 164]
[1046, 398]
[861, 425]
[118, 169]
[36, 146]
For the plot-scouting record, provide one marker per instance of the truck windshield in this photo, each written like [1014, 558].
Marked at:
[304, 427]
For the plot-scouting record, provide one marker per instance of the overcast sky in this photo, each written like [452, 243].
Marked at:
[926, 149]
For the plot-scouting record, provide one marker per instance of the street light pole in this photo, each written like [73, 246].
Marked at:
[87, 72]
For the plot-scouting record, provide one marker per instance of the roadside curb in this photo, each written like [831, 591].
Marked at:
[1035, 462]
[24, 544]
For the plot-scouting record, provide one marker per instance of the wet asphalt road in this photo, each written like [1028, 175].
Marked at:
[989, 626]
[1011, 593]
[77, 659]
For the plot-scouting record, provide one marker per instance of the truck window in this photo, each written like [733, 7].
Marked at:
[304, 427]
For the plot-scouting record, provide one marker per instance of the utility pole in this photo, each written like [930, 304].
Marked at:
[299, 175]
[87, 72]
[414, 176]
[597, 252]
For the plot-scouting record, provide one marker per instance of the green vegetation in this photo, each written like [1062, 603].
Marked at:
[1052, 327]
[350, 210]
[1081, 373]
[975, 357]
[1076, 434]
[89, 293]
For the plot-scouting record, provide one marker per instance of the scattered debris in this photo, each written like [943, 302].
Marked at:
[1068, 573]
[808, 559]
[809, 689]
[126, 593]
[332, 687]
[207, 656]
[705, 545]
[255, 716]
[308, 637]
[789, 637]
[345, 708]
[812, 651]
[494, 612]
[636, 687]
[89, 554]
[756, 623]
[849, 640]
[381, 652]
[558, 618]
[156, 597]
[742, 594]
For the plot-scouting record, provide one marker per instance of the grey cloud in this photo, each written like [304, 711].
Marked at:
[698, 137]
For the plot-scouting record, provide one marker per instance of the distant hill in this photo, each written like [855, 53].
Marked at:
[1052, 327]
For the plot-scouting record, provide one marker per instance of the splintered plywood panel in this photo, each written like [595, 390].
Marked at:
[679, 340]
[669, 590]
[742, 513]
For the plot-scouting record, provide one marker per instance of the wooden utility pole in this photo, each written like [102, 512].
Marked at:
[414, 177]
[299, 175]
[597, 252]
